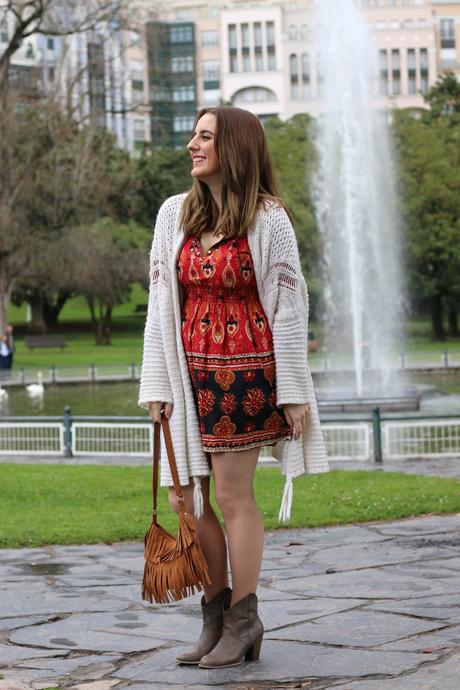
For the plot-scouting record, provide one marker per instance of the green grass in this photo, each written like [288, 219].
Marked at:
[127, 338]
[67, 504]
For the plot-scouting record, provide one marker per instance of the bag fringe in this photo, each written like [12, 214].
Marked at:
[173, 568]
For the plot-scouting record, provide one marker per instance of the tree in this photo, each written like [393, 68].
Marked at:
[19, 162]
[111, 257]
[79, 175]
[294, 157]
[162, 172]
[428, 148]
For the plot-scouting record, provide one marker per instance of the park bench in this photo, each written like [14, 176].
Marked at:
[34, 341]
[140, 308]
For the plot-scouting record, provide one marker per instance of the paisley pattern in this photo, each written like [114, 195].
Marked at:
[229, 347]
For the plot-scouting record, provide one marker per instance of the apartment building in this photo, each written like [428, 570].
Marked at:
[262, 55]
[99, 76]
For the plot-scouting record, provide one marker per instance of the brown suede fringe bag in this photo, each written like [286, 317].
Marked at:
[174, 566]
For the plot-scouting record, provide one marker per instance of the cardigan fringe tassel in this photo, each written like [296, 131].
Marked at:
[286, 503]
[197, 498]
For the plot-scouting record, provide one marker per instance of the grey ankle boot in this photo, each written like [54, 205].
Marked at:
[212, 612]
[241, 636]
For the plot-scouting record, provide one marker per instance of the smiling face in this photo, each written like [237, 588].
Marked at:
[206, 166]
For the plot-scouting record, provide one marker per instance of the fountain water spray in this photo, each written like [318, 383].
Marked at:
[355, 199]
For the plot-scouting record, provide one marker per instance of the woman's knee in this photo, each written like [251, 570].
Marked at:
[232, 500]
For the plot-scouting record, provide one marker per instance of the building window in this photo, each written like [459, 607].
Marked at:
[258, 36]
[183, 94]
[211, 97]
[304, 31]
[294, 75]
[448, 50]
[50, 44]
[246, 63]
[411, 72]
[183, 123]
[396, 71]
[447, 33]
[181, 34]
[395, 24]
[232, 44]
[245, 36]
[253, 94]
[293, 32]
[383, 72]
[423, 70]
[380, 25]
[233, 63]
[271, 62]
[305, 64]
[139, 130]
[270, 32]
[182, 64]
[408, 24]
[422, 24]
[211, 69]
[259, 62]
[29, 51]
[209, 39]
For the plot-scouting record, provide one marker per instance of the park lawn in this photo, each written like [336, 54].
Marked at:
[68, 504]
[127, 336]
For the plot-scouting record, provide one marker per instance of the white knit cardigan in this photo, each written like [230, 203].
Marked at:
[284, 297]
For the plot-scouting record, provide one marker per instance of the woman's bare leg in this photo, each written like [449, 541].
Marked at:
[233, 480]
[210, 536]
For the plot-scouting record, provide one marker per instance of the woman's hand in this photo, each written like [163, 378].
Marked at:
[155, 410]
[295, 416]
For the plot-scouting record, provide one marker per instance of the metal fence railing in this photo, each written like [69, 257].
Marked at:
[367, 438]
[320, 362]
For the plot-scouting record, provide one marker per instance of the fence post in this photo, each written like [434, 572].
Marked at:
[23, 375]
[446, 358]
[93, 372]
[377, 434]
[68, 431]
[53, 373]
[133, 371]
[403, 360]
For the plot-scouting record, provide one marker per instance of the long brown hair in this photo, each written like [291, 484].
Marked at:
[247, 174]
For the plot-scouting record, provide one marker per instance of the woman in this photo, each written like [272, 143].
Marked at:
[225, 359]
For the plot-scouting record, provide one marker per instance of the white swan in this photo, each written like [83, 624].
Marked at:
[36, 388]
[3, 393]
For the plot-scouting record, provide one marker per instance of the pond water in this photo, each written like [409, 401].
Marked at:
[442, 396]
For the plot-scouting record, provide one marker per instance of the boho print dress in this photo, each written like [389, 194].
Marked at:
[229, 347]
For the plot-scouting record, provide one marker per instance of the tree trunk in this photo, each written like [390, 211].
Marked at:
[104, 328]
[436, 318]
[51, 311]
[6, 288]
[37, 323]
[453, 321]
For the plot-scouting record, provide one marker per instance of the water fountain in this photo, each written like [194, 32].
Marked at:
[357, 212]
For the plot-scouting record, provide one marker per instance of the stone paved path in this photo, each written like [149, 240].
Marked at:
[374, 606]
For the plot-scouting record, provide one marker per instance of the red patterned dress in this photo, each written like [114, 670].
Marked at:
[229, 347]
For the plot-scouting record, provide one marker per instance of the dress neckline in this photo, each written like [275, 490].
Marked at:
[197, 245]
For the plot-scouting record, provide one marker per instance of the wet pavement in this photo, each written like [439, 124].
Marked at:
[374, 606]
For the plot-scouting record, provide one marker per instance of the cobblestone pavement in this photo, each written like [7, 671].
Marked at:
[374, 606]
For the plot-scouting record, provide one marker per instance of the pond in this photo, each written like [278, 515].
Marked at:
[120, 399]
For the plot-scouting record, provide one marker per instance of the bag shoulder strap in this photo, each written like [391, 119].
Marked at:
[172, 464]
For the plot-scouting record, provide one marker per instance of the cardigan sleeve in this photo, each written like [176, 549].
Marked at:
[154, 383]
[286, 292]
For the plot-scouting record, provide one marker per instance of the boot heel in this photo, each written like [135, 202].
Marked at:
[253, 652]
